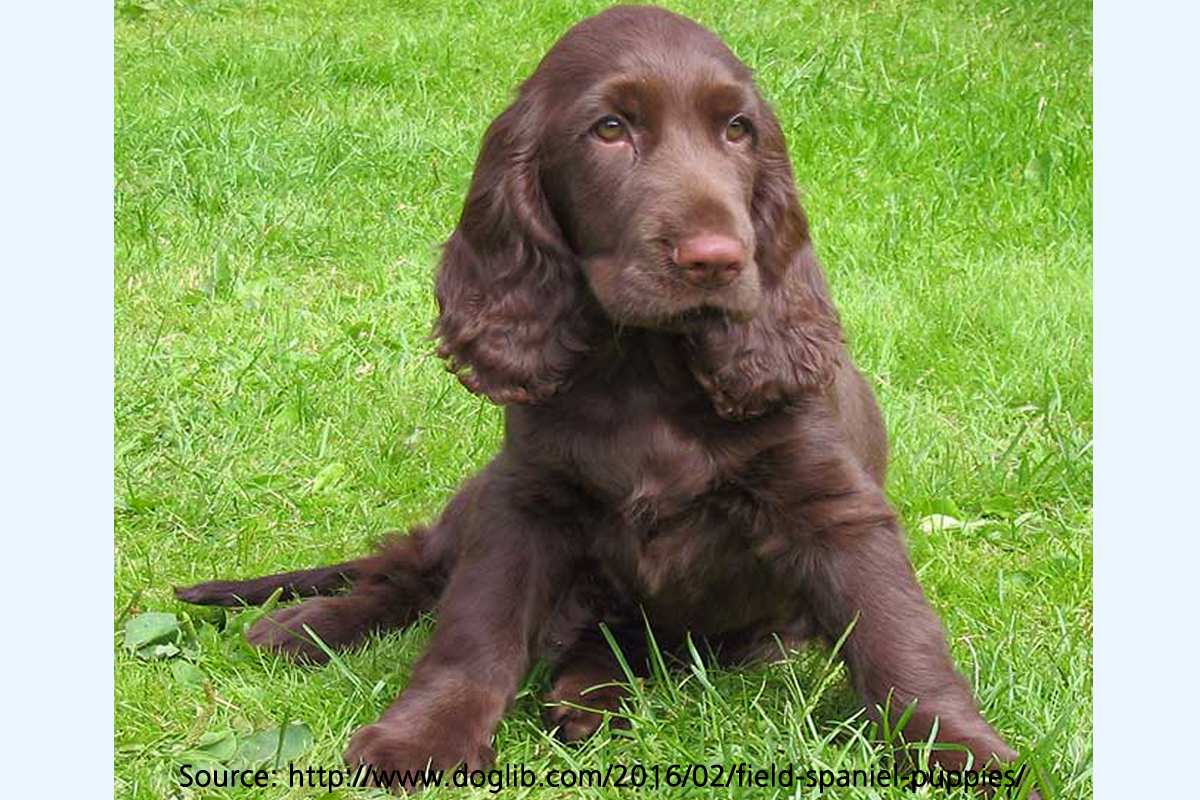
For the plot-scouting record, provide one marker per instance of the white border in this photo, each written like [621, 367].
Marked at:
[1147, 224]
[56, 404]
[56, 397]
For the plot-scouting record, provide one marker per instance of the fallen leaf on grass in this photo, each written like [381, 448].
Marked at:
[937, 523]
[276, 745]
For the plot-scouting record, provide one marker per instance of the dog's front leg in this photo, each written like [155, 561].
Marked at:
[859, 578]
[491, 614]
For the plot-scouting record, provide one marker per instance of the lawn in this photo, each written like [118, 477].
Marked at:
[285, 174]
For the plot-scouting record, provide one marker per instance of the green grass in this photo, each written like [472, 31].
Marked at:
[285, 172]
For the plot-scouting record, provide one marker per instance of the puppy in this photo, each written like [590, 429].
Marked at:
[632, 278]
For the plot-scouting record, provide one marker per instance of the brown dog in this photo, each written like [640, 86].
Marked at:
[632, 278]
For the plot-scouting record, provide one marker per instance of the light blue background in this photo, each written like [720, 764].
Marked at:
[56, 396]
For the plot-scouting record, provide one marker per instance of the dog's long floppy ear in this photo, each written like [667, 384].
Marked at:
[508, 288]
[793, 343]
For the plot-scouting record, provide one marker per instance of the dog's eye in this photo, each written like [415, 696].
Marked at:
[610, 128]
[737, 128]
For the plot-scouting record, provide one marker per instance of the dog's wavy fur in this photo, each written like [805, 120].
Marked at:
[710, 458]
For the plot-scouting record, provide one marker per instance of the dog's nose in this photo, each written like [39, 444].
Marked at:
[709, 260]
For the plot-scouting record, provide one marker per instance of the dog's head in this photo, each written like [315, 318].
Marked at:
[639, 179]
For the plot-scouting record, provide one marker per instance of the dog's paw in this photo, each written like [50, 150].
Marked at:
[287, 631]
[404, 758]
[575, 713]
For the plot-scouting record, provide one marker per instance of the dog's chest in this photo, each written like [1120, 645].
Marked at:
[643, 457]
[680, 519]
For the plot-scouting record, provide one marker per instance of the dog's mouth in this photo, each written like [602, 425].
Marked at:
[707, 314]
[693, 319]
[646, 293]
[709, 308]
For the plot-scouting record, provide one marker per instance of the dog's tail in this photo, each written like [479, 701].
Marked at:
[417, 564]
[256, 591]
